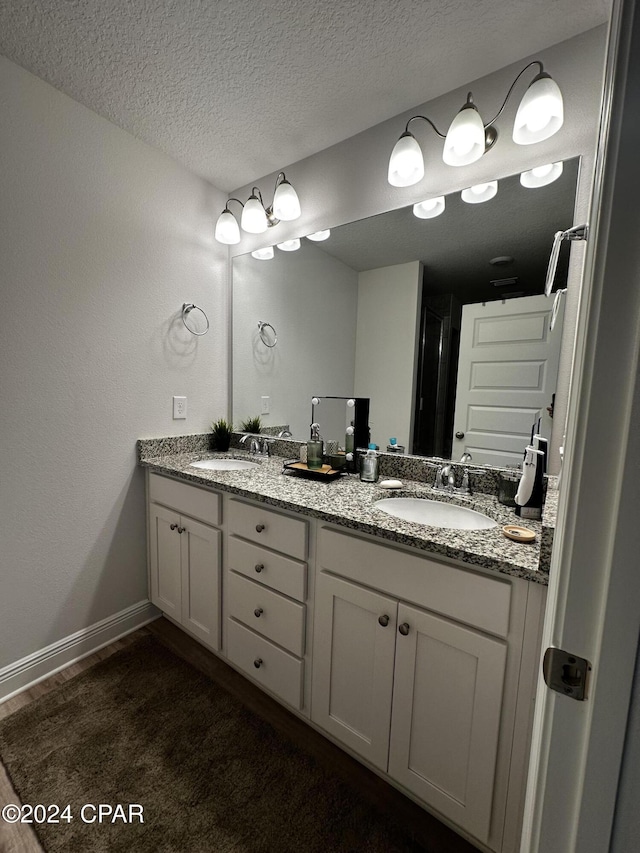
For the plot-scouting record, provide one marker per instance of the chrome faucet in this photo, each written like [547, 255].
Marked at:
[445, 480]
[258, 445]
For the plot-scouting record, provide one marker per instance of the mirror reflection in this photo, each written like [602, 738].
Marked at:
[439, 321]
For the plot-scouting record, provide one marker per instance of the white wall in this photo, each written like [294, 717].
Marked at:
[310, 299]
[388, 319]
[102, 239]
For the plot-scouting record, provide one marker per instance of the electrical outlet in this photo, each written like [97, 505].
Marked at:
[265, 405]
[179, 408]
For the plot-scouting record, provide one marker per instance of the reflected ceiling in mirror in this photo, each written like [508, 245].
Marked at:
[314, 297]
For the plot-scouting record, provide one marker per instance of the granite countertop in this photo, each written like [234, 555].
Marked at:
[349, 502]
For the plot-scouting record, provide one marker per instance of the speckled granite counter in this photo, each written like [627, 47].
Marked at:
[349, 502]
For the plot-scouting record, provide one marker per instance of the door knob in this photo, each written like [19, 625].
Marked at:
[459, 435]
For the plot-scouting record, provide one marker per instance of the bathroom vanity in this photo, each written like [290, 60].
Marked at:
[415, 649]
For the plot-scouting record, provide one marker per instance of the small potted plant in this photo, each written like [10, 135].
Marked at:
[252, 425]
[221, 434]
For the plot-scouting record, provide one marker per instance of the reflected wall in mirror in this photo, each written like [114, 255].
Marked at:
[384, 309]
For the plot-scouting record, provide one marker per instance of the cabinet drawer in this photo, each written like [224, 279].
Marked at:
[478, 600]
[275, 669]
[267, 612]
[268, 568]
[190, 500]
[261, 525]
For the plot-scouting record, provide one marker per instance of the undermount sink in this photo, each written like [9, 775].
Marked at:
[435, 513]
[225, 464]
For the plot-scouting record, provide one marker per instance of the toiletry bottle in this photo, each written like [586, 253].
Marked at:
[314, 449]
[369, 465]
[392, 447]
[529, 495]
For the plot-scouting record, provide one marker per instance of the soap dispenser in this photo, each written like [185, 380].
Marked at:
[369, 465]
[314, 449]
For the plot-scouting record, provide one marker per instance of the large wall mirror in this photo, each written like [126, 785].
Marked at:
[440, 321]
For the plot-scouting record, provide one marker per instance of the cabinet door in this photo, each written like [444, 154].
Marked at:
[165, 560]
[446, 716]
[353, 666]
[201, 581]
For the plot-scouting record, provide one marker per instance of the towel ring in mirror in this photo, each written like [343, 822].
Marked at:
[268, 334]
[190, 323]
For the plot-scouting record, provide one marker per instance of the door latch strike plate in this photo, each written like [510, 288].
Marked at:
[566, 673]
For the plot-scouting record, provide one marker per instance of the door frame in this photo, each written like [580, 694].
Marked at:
[594, 592]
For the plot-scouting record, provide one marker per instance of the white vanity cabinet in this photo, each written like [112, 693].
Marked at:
[416, 669]
[185, 549]
[265, 598]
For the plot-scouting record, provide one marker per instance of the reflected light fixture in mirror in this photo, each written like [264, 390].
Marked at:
[540, 176]
[256, 218]
[540, 115]
[479, 193]
[429, 208]
[265, 254]
[319, 236]
[289, 245]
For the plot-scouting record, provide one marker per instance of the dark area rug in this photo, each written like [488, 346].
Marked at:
[144, 727]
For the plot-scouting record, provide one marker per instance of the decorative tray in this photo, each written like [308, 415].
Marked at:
[300, 469]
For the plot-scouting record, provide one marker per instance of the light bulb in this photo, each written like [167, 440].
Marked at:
[406, 165]
[317, 236]
[540, 176]
[289, 245]
[254, 217]
[465, 140]
[263, 254]
[286, 205]
[480, 192]
[541, 111]
[429, 208]
[227, 230]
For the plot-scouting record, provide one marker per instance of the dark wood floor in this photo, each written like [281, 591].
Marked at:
[427, 832]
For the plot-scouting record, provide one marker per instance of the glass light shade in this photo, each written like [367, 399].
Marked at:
[429, 208]
[465, 141]
[480, 192]
[286, 205]
[227, 230]
[540, 176]
[289, 245]
[406, 165]
[318, 236]
[254, 217]
[541, 112]
[263, 254]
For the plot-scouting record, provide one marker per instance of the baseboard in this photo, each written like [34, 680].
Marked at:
[46, 662]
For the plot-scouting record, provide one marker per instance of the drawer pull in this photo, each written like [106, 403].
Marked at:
[259, 567]
[404, 628]
[383, 620]
[173, 526]
[259, 528]
[257, 663]
[258, 612]
[181, 529]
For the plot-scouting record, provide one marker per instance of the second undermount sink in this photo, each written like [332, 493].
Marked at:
[225, 464]
[435, 513]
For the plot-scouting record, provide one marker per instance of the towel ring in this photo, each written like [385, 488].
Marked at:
[265, 337]
[187, 308]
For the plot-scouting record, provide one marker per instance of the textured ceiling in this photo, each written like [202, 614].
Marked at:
[236, 89]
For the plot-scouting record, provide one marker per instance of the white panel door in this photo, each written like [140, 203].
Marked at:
[165, 560]
[447, 700]
[353, 666]
[507, 376]
[201, 550]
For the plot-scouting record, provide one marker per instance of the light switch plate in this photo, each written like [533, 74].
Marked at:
[179, 408]
[266, 401]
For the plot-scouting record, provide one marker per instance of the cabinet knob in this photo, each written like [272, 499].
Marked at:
[173, 526]
[181, 529]
[259, 567]
[258, 612]
[383, 620]
[259, 528]
[404, 628]
[257, 663]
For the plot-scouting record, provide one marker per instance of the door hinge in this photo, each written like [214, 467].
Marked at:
[566, 673]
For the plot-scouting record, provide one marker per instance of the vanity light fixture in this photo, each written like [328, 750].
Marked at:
[289, 245]
[479, 193]
[540, 176]
[429, 208]
[540, 115]
[265, 254]
[256, 217]
[318, 236]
